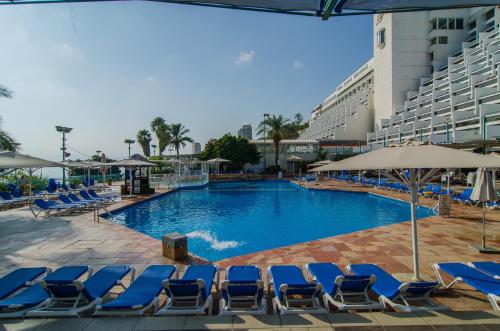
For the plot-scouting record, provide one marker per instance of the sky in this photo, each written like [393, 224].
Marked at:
[107, 69]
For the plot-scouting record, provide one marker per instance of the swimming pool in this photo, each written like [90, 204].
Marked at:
[235, 218]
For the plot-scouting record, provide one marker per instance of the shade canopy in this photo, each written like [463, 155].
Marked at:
[294, 158]
[131, 163]
[413, 155]
[14, 160]
[320, 163]
[399, 5]
[74, 164]
[218, 160]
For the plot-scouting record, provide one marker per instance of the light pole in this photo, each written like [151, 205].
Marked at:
[154, 149]
[266, 116]
[64, 130]
[129, 142]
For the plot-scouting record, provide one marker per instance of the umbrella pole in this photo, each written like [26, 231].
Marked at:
[130, 181]
[484, 227]
[413, 204]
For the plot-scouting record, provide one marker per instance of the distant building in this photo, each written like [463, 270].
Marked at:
[245, 131]
[196, 148]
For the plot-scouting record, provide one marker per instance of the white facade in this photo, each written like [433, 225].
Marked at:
[196, 148]
[433, 76]
[245, 131]
[347, 113]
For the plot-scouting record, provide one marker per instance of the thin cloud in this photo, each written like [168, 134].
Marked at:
[150, 79]
[298, 64]
[245, 57]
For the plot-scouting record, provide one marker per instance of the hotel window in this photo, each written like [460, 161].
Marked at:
[451, 24]
[381, 38]
[442, 24]
[459, 24]
[434, 24]
[489, 14]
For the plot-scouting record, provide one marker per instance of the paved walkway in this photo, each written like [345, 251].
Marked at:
[56, 241]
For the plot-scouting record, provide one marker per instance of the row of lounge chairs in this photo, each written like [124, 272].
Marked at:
[69, 203]
[75, 290]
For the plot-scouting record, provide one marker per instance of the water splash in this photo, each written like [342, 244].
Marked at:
[214, 243]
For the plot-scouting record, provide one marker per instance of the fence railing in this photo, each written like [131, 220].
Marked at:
[175, 181]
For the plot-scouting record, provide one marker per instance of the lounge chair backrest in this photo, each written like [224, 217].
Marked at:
[385, 283]
[60, 283]
[5, 195]
[65, 199]
[73, 197]
[85, 195]
[93, 193]
[184, 288]
[18, 279]
[243, 288]
[308, 290]
[42, 204]
[417, 289]
[72, 186]
[104, 280]
[64, 187]
[352, 283]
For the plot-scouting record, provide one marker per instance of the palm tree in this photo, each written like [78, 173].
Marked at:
[177, 133]
[321, 154]
[276, 128]
[7, 142]
[160, 128]
[144, 139]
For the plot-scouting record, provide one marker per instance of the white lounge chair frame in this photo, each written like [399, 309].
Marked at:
[256, 307]
[199, 306]
[289, 308]
[492, 298]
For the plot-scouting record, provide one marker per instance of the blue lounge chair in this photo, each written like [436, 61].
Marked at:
[464, 198]
[192, 293]
[242, 292]
[77, 297]
[19, 278]
[12, 200]
[48, 207]
[76, 199]
[68, 202]
[482, 282]
[397, 294]
[35, 297]
[346, 292]
[85, 195]
[141, 295]
[491, 268]
[110, 196]
[294, 294]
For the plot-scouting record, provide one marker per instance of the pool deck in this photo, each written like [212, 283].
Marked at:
[57, 241]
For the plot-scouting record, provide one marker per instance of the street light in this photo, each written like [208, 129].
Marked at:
[266, 116]
[129, 142]
[154, 149]
[64, 130]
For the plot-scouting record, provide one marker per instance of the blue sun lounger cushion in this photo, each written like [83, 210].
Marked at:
[482, 282]
[491, 268]
[36, 296]
[346, 292]
[193, 290]
[395, 293]
[244, 286]
[18, 279]
[81, 296]
[141, 294]
[294, 294]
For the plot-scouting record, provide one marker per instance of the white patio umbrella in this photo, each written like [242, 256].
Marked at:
[413, 157]
[15, 160]
[319, 163]
[218, 161]
[294, 158]
[132, 163]
[483, 191]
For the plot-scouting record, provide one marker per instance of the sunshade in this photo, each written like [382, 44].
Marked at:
[14, 160]
[320, 163]
[483, 191]
[413, 155]
[398, 5]
[294, 158]
[407, 159]
[132, 163]
[218, 160]
[74, 164]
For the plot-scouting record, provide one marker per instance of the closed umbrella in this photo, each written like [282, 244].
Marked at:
[483, 191]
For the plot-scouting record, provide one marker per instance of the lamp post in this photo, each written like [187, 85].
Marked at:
[129, 142]
[266, 116]
[154, 149]
[64, 130]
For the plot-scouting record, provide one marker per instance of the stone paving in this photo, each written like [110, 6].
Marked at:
[56, 241]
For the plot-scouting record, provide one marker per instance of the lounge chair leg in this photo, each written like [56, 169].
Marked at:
[494, 300]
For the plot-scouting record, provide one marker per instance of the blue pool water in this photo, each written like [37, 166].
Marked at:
[230, 219]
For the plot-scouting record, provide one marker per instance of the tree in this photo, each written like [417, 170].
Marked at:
[177, 133]
[160, 128]
[276, 128]
[7, 142]
[321, 154]
[236, 149]
[144, 139]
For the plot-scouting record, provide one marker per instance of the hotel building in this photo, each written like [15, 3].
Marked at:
[433, 76]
